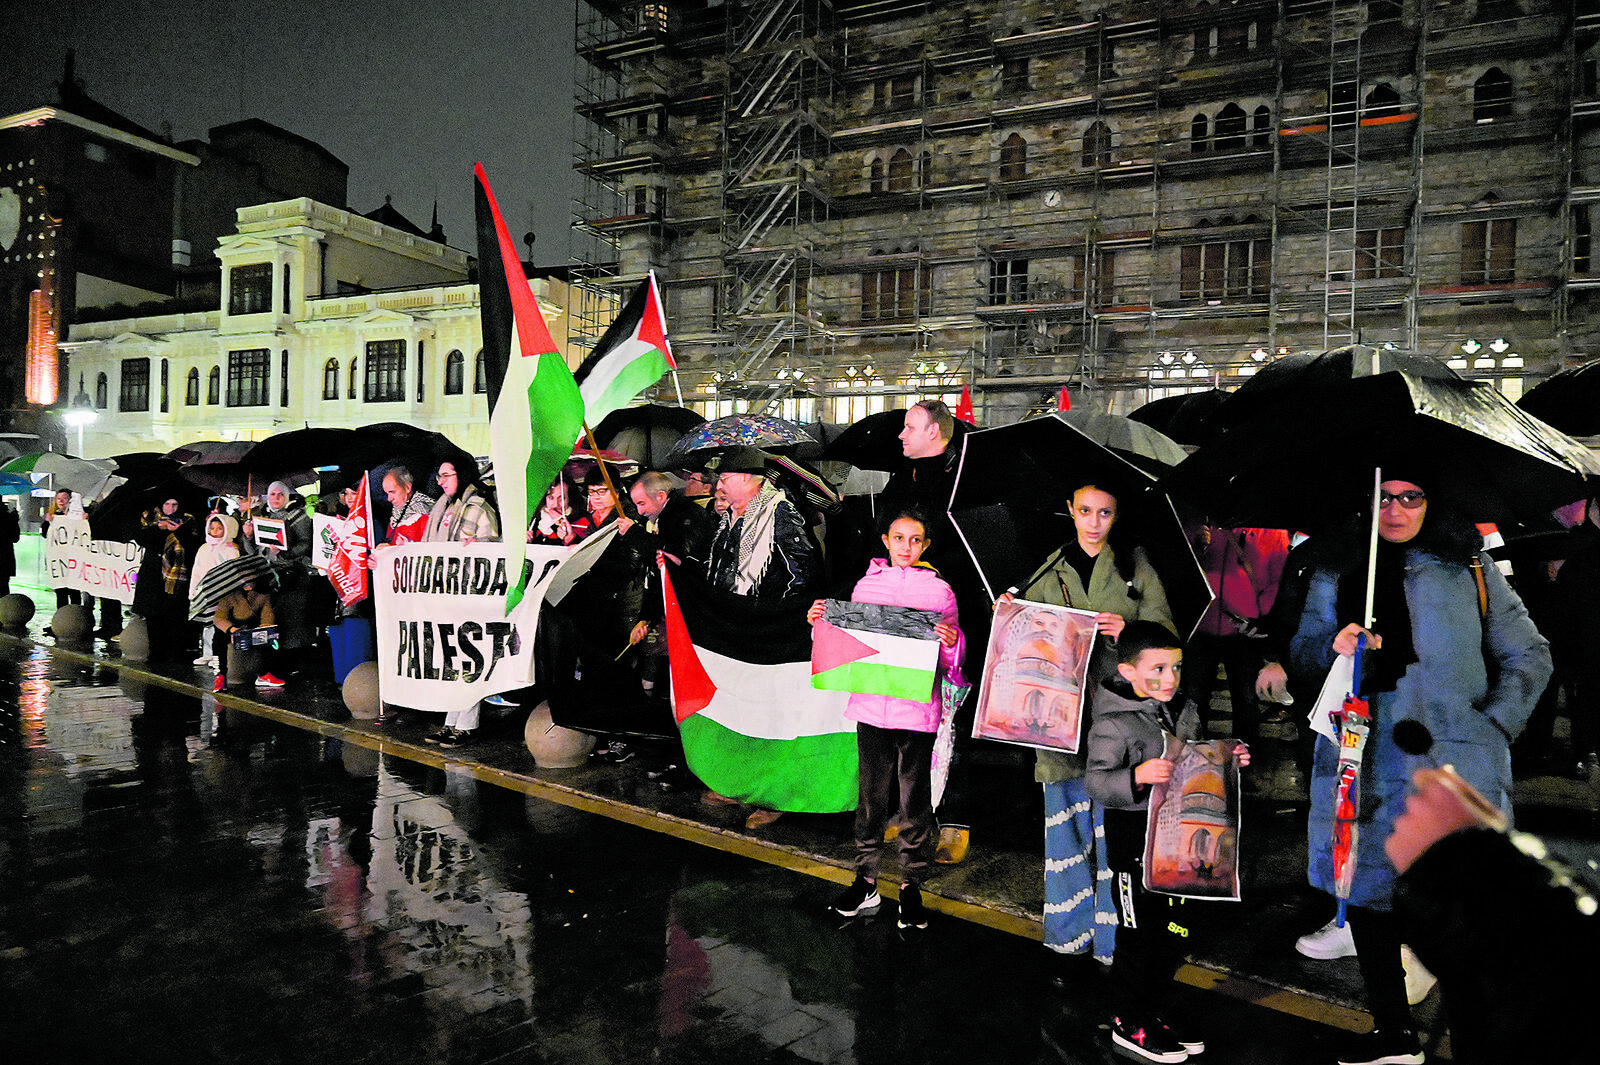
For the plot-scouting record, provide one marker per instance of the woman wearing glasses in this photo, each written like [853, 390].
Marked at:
[1451, 648]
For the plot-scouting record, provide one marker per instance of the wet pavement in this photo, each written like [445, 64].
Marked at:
[207, 881]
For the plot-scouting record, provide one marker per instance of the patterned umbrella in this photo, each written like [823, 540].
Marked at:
[222, 580]
[738, 430]
[87, 477]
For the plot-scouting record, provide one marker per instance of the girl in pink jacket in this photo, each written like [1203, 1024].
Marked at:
[894, 737]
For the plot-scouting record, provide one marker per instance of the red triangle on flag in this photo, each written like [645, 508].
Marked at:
[653, 324]
[964, 407]
[1063, 401]
[692, 687]
[832, 647]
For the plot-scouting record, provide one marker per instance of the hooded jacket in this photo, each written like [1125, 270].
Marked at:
[1128, 730]
[921, 588]
[216, 548]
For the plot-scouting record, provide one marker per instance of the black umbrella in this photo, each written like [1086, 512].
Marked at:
[645, 433]
[1182, 417]
[151, 482]
[873, 443]
[1308, 463]
[1306, 376]
[1568, 400]
[1011, 500]
[222, 580]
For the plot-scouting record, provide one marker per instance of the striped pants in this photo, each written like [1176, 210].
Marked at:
[1080, 912]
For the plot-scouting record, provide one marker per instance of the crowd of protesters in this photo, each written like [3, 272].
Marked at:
[1454, 650]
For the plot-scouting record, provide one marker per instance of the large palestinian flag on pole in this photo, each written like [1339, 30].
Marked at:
[537, 412]
[753, 727]
[629, 357]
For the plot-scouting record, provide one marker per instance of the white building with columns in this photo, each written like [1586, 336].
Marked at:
[327, 318]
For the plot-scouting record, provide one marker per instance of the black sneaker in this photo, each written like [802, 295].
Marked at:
[459, 737]
[860, 897]
[1384, 1046]
[1146, 1038]
[439, 736]
[616, 753]
[1186, 1036]
[912, 913]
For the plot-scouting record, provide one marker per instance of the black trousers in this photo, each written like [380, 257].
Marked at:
[895, 765]
[1377, 939]
[1153, 929]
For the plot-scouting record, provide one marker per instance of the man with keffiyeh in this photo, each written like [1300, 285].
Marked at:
[762, 547]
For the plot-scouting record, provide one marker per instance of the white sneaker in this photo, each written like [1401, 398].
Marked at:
[1328, 942]
[1419, 981]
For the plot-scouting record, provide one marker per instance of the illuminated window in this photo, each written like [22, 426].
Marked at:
[191, 388]
[480, 374]
[134, 393]
[250, 288]
[214, 386]
[455, 371]
[249, 378]
[330, 379]
[386, 372]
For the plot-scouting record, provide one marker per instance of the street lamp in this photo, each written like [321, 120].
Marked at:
[81, 413]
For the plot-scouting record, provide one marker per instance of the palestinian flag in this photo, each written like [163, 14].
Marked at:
[631, 356]
[536, 413]
[752, 726]
[875, 650]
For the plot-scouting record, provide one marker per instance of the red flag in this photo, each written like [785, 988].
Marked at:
[964, 408]
[348, 567]
[692, 687]
[1063, 401]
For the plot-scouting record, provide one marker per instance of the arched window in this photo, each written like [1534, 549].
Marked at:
[1097, 145]
[351, 392]
[1013, 158]
[480, 374]
[1199, 134]
[1382, 100]
[1491, 96]
[421, 375]
[214, 386]
[875, 180]
[1261, 127]
[900, 170]
[1230, 129]
[455, 373]
[100, 391]
[191, 387]
[330, 379]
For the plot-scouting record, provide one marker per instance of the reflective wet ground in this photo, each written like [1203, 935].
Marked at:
[187, 885]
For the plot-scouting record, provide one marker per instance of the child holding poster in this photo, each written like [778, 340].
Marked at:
[1134, 723]
[894, 736]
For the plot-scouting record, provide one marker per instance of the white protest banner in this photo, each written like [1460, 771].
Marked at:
[75, 559]
[445, 640]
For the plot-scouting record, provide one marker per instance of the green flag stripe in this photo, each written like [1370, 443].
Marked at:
[899, 682]
[812, 774]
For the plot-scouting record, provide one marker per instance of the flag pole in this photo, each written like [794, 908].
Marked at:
[605, 474]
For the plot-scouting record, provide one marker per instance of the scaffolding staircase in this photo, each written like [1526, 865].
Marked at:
[776, 79]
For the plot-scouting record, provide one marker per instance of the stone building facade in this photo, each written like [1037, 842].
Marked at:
[853, 201]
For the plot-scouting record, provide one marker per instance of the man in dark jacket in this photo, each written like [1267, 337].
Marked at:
[762, 547]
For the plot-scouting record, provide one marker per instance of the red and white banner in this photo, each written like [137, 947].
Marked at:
[348, 567]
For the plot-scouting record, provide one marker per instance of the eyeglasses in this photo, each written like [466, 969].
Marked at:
[1411, 499]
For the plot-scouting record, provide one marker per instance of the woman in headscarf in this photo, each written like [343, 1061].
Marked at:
[463, 513]
[161, 597]
[291, 566]
[1451, 649]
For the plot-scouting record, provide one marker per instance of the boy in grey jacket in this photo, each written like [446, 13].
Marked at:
[1134, 717]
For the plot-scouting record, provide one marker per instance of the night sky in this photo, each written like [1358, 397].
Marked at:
[408, 94]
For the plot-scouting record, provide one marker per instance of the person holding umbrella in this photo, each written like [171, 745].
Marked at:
[161, 597]
[1093, 571]
[1452, 657]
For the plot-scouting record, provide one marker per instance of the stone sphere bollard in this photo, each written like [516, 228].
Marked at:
[135, 640]
[16, 610]
[552, 746]
[361, 692]
[73, 623]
